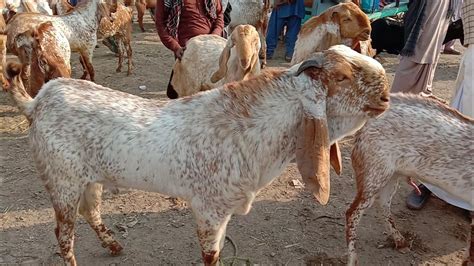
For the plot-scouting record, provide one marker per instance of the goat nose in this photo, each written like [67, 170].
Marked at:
[384, 98]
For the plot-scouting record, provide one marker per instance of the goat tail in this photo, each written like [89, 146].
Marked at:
[14, 85]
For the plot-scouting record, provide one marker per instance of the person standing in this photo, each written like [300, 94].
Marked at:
[426, 24]
[462, 100]
[177, 21]
[448, 48]
[289, 13]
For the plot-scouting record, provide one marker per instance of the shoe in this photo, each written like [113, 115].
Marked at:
[451, 51]
[288, 58]
[415, 201]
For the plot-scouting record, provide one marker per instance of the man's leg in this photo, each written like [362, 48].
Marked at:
[274, 28]
[293, 28]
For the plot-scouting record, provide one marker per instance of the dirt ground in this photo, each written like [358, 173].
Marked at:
[286, 225]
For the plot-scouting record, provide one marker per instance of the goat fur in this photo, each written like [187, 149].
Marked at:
[210, 61]
[215, 149]
[417, 137]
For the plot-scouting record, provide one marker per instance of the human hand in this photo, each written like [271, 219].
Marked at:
[179, 53]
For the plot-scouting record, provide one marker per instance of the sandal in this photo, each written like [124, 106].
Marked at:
[415, 201]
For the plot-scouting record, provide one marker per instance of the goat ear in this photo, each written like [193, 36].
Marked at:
[312, 156]
[335, 158]
[317, 61]
[220, 73]
[335, 15]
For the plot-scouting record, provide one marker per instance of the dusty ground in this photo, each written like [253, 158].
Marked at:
[285, 226]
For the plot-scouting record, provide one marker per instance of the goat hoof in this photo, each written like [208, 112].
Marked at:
[115, 248]
[118, 70]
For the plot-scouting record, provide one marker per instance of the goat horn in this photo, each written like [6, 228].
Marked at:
[315, 61]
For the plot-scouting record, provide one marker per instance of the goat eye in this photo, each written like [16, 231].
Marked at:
[340, 78]
[347, 20]
[43, 64]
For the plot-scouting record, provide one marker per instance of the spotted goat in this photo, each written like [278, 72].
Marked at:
[210, 61]
[417, 137]
[120, 26]
[216, 149]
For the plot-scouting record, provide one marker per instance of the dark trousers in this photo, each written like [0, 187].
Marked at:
[170, 92]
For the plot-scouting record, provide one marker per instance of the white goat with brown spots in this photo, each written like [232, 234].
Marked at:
[79, 26]
[216, 149]
[121, 28]
[210, 61]
[418, 138]
[344, 23]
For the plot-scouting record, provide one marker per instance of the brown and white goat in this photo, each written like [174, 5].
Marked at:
[417, 137]
[121, 28]
[344, 23]
[50, 55]
[210, 61]
[255, 13]
[79, 26]
[215, 149]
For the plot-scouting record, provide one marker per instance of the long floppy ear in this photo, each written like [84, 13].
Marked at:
[312, 157]
[312, 146]
[335, 158]
[220, 73]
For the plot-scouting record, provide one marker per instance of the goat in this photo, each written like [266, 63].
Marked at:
[210, 61]
[121, 28]
[141, 6]
[418, 138]
[215, 149]
[50, 54]
[255, 13]
[344, 23]
[79, 26]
